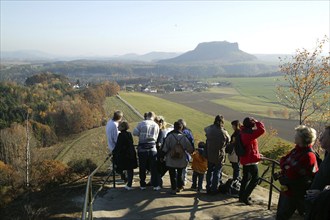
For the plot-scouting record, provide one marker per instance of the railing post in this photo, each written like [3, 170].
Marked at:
[90, 212]
[271, 186]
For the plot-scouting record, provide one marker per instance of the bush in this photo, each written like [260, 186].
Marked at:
[279, 150]
[8, 183]
[50, 172]
[82, 166]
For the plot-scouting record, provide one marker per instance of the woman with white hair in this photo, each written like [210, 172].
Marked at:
[297, 171]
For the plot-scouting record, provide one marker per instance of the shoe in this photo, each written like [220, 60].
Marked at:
[128, 188]
[157, 188]
[143, 188]
[180, 189]
[248, 202]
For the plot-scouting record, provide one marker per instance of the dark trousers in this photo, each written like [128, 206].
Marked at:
[148, 158]
[249, 181]
[288, 205]
[130, 177]
[235, 167]
[176, 177]
[213, 176]
[200, 177]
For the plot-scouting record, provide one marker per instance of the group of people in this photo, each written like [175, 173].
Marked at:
[161, 149]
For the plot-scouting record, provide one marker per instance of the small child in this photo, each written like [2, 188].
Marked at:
[199, 166]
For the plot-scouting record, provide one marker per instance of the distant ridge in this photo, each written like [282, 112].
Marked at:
[211, 52]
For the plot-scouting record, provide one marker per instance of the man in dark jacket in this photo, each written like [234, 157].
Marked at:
[251, 130]
[319, 193]
[216, 139]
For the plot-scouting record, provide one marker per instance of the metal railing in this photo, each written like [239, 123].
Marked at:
[89, 198]
[271, 181]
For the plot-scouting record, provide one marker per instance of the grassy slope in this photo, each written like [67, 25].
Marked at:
[92, 143]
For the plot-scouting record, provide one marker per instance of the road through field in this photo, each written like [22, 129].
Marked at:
[202, 102]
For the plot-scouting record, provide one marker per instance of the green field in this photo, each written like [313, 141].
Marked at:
[196, 120]
[255, 95]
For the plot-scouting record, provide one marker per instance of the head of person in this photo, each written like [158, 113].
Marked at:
[145, 116]
[219, 121]
[123, 126]
[160, 120]
[178, 126]
[117, 116]
[201, 145]
[151, 116]
[325, 139]
[249, 122]
[305, 136]
[183, 122]
[236, 125]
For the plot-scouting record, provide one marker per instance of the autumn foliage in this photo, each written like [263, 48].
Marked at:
[307, 89]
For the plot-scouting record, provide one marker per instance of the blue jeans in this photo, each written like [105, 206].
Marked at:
[148, 158]
[213, 176]
[200, 177]
[235, 167]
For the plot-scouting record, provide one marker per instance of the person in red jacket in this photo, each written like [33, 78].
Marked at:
[251, 130]
[297, 171]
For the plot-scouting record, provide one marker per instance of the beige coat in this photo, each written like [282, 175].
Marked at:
[216, 140]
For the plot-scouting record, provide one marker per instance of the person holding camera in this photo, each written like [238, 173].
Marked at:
[297, 171]
[250, 131]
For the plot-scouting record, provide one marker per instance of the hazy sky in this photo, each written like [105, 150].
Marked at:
[120, 27]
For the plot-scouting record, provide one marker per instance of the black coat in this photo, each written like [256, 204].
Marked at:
[124, 152]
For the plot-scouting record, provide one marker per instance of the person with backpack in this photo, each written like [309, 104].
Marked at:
[199, 167]
[250, 131]
[186, 131]
[297, 171]
[230, 149]
[125, 154]
[148, 131]
[216, 139]
[175, 147]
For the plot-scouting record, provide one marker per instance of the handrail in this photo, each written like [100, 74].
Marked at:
[89, 199]
[271, 182]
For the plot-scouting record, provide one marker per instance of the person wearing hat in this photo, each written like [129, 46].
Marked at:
[250, 131]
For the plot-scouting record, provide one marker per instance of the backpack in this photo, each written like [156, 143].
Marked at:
[239, 147]
[231, 187]
[177, 152]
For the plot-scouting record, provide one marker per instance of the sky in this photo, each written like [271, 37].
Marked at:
[107, 28]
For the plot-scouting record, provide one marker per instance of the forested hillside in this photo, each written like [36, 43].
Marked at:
[44, 111]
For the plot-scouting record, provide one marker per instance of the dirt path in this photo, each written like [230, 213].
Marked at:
[202, 102]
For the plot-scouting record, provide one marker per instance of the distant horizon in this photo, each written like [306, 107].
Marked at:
[117, 28]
